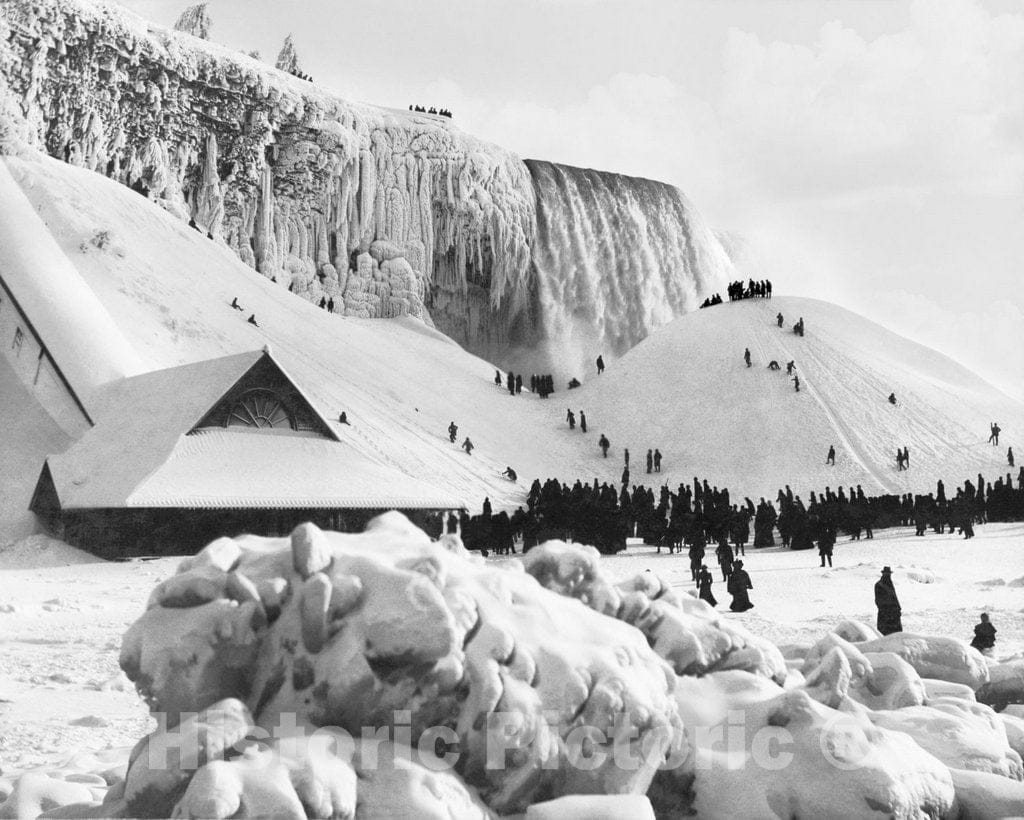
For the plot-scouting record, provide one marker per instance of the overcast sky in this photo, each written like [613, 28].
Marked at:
[871, 152]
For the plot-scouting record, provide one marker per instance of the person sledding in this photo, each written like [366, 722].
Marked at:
[510, 474]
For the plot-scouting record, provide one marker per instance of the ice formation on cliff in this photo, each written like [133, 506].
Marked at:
[384, 212]
[195, 20]
[411, 678]
[287, 58]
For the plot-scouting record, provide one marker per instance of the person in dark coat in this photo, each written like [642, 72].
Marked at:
[657, 460]
[497, 377]
[650, 461]
[467, 445]
[778, 320]
[625, 476]
[889, 611]
[1009, 457]
[453, 431]
[510, 474]
[519, 383]
[583, 421]
[704, 582]
[831, 457]
[571, 418]
[725, 556]
[984, 634]
[604, 444]
[892, 398]
[235, 305]
[826, 543]
[252, 320]
[600, 365]
[738, 584]
[343, 418]
[625, 456]
[796, 384]
[746, 356]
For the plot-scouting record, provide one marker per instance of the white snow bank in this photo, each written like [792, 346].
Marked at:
[41, 551]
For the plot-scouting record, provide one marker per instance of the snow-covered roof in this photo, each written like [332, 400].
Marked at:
[227, 469]
[140, 453]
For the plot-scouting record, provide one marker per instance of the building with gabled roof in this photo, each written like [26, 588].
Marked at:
[180, 456]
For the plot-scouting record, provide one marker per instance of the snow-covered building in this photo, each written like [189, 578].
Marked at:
[180, 456]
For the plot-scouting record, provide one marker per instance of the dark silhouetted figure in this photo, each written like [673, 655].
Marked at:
[704, 582]
[625, 456]
[778, 320]
[737, 585]
[796, 383]
[330, 305]
[235, 305]
[487, 508]
[467, 445]
[583, 421]
[600, 365]
[790, 367]
[252, 320]
[604, 444]
[831, 457]
[453, 431]
[510, 383]
[746, 356]
[625, 476]
[1009, 457]
[650, 461]
[571, 418]
[892, 398]
[510, 474]
[899, 460]
[826, 542]
[889, 612]
[657, 460]
[323, 301]
[984, 634]
[497, 377]
[192, 224]
[993, 438]
[574, 383]
[519, 383]
[343, 418]
[906, 458]
[773, 365]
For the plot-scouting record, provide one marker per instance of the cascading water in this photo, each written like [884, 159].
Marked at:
[614, 257]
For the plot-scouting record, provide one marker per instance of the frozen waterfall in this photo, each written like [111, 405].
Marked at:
[614, 257]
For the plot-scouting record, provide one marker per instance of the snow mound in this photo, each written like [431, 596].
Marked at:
[41, 551]
[1016, 582]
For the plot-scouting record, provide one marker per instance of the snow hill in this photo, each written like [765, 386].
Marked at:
[685, 389]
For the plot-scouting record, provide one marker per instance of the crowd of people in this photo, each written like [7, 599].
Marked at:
[441, 112]
[738, 290]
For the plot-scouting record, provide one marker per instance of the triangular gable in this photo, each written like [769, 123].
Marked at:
[266, 396]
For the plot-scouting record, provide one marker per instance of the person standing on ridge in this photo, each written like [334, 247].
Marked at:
[583, 421]
[746, 356]
[600, 365]
[984, 634]
[467, 445]
[453, 431]
[889, 611]
[831, 457]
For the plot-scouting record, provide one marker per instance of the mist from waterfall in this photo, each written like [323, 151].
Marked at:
[614, 258]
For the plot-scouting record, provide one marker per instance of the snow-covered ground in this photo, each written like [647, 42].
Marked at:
[62, 694]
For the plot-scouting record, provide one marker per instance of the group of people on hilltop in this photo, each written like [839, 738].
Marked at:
[302, 75]
[441, 112]
[737, 290]
[513, 383]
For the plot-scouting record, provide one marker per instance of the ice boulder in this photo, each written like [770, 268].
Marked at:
[795, 757]
[1005, 685]
[684, 630]
[962, 735]
[985, 796]
[593, 807]
[856, 631]
[934, 656]
[390, 631]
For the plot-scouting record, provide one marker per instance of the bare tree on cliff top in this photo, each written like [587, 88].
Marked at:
[195, 20]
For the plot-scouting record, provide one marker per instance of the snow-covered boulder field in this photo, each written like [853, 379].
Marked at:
[388, 675]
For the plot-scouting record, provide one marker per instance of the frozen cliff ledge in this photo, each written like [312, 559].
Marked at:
[367, 211]
[379, 211]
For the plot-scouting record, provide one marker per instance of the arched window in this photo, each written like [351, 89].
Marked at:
[260, 408]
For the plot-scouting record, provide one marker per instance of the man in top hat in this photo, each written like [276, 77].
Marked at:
[889, 611]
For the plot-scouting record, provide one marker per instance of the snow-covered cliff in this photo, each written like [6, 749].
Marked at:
[374, 212]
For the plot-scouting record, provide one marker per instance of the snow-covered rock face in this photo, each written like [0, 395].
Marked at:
[388, 629]
[300, 184]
